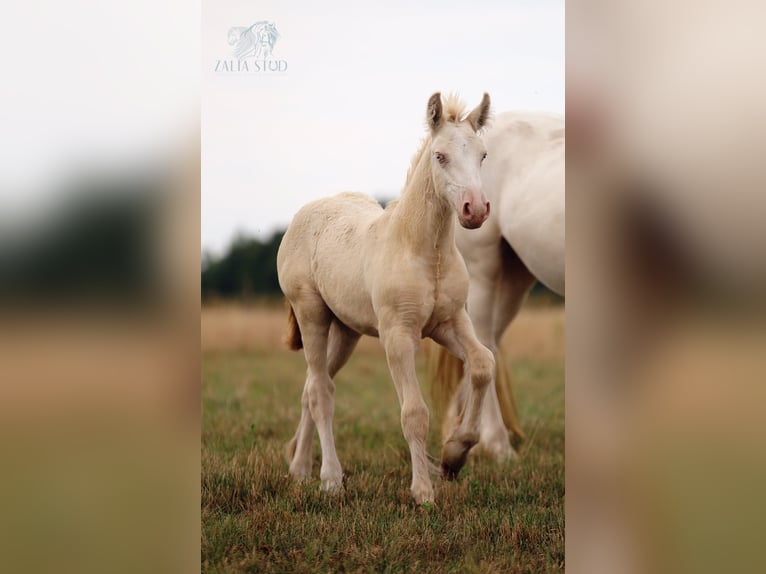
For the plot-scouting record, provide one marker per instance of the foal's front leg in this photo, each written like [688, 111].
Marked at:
[401, 344]
[459, 338]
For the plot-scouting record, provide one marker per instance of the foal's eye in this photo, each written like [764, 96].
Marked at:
[484, 156]
[441, 158]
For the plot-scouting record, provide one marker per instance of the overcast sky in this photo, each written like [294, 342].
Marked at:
[113, 86]
[348, 113]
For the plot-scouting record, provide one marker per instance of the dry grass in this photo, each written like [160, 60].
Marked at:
[255, 519]
[537, 333]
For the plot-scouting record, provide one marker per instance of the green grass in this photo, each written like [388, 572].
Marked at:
[256, 519]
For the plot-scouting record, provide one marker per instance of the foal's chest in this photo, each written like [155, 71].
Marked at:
[424, 296]
[449, 297]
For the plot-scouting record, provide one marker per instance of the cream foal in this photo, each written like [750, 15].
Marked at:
[348, 267]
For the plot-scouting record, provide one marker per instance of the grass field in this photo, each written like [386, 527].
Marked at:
[255, 519]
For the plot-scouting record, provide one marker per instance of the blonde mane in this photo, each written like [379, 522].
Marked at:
[415, 162]
[418, 186]
[454, 108]
[419, 173]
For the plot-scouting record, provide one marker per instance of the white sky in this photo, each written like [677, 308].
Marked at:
[349, 112]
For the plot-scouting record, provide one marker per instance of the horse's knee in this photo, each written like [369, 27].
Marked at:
[415, 422]
[399, 344]
[482, 368]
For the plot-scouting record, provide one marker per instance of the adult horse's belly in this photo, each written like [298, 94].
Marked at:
[532, 221]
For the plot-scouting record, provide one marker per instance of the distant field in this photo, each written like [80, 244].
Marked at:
[254, 518]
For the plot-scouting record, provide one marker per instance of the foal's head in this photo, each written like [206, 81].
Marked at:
[457, 153]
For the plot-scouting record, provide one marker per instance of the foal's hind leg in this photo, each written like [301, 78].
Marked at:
[341, 343]
[299, 448]
[314, 319]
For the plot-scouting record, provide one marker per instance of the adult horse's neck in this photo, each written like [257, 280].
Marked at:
[422, 218]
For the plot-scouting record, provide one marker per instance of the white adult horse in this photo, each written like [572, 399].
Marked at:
[348, 267]
[522, 241]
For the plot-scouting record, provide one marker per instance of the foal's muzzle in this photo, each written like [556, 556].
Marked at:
[473, 209]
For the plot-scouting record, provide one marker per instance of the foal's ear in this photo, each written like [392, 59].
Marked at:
[479, 116]
[434, 111]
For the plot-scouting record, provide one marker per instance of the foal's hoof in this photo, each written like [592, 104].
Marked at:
[454, 455]
[300, 473]
[332, 485]
[423, 495]
[300, 470]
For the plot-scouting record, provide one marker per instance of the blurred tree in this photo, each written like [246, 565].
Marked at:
[248, 269]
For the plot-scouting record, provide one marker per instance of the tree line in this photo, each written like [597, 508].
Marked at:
[248, 270]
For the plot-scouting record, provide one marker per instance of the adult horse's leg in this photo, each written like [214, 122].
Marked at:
[314, 319]
[509, 293]
[341, 343]
[493, 436]
[460, 339]
[499, 284]
[401, 344]
[513, 289]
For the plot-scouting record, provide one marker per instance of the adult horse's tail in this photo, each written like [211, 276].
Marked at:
[293, 337]
[445, 371]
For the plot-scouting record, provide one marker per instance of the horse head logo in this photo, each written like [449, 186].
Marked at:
[257, 40]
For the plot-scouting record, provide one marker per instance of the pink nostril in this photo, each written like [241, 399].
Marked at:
[467, 209]
[487, 209]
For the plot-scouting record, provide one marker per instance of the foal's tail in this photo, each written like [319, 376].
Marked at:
[445, 371]
[293, 338]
